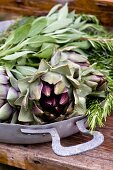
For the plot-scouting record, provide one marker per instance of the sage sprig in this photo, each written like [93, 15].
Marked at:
[42, 36]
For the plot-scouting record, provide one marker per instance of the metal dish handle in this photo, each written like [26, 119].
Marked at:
[60, 150]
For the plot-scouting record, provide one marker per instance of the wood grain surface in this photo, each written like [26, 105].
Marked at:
[41, 156]
[103, 9]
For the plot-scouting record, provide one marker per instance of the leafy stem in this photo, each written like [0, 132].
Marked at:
[98, 112]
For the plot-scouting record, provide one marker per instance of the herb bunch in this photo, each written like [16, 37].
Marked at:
[38, 38]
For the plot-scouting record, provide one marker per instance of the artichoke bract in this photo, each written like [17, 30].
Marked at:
[58, 92]
[9, 92]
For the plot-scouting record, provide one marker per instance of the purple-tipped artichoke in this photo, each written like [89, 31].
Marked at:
[92, 81]
[9, 92]
[61, 57]
[57, 93]
[50, 95]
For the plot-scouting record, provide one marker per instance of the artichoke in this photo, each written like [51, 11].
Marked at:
[9, 92]
[93, 81]
[58, 92]
[68, 56]
[50, 94]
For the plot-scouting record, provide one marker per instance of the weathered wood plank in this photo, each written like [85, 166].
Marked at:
[103, 9]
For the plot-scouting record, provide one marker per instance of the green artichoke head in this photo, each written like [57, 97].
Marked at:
[50, 94]
[9, 92]
[92, 81]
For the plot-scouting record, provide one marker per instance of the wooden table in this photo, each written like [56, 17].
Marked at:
[41, 156]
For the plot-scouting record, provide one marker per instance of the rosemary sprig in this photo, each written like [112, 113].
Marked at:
[94, 114]
[110, 83]
[108, 106]
[98, 112]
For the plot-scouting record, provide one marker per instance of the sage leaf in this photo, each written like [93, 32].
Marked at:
[13, 49]
[71, 37]
[63, 12]
[16, 55]
[53, 10]
[21, 33]
[40, 39]
[8, 41]
[37, 41]
[46, 51]
[71, 15]
[82, 44]
[52, 19]
[78, 25]
[77, 20]
[62, 23]
[62, 31]
[94, 26]
[37, 26]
